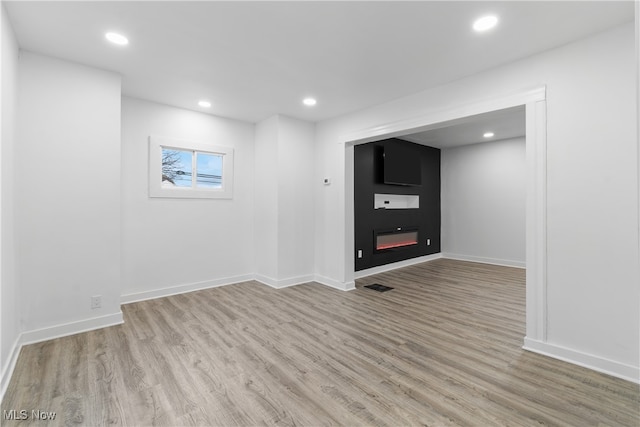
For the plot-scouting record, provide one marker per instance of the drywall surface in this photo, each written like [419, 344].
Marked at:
[483, 202]
[266, 198]
[296, 199]
[284, 220]
[9, 291]
[591, 185]
[67, 195]
[176, 245]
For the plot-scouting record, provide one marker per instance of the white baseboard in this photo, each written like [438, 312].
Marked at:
[52, 332]
[7, 369]
[181, 289]
[71, 328]
[208, 284]
[484, 260]
[590, 361]
[283, 283]
[395, 265]
[342, 286]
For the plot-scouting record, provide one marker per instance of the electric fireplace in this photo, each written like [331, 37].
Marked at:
[395, 238]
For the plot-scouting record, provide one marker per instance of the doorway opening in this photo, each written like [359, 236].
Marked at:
[534, 104]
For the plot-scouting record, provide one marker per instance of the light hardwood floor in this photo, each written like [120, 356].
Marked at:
[442, 348]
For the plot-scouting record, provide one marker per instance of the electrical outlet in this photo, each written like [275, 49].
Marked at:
[96, 301]
[359, 253]
[428, 242]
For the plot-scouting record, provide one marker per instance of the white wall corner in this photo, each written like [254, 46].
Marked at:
[8, 368]
[53, 332]
[342, 286]
[586, 360]
[637, 29]
[283, 283]
[536, 217]
[71, 328]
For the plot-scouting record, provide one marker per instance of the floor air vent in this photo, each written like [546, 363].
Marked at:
[379, 288]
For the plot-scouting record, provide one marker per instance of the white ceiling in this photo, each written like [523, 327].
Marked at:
[256, 59]
[504, 124]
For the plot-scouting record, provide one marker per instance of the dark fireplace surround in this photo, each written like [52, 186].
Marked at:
[397, 215]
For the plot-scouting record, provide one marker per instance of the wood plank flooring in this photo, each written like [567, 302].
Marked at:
[442, 348]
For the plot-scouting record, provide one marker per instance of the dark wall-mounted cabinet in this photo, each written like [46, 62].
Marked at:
[397, 202]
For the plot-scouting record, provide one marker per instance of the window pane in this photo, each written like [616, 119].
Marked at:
[176, 168]
[208, 170]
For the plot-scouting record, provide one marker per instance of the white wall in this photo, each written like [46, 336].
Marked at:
[177, 245]
[67, 196]
[296, 199]
[592, 187]
[9, 292]
[483, 202]
[637, 55]
[266, 199]
[284, 218]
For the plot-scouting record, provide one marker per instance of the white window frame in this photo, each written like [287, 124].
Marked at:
[156, 189]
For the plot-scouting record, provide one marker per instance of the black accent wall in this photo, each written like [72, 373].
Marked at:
[369, 180]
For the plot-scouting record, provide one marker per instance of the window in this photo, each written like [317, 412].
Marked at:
[178, 171]
[186, 169]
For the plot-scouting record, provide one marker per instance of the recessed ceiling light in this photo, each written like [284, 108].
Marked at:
[488, 134]
[485, 23]
[309, 102]
[117, 39]
[204, 104]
